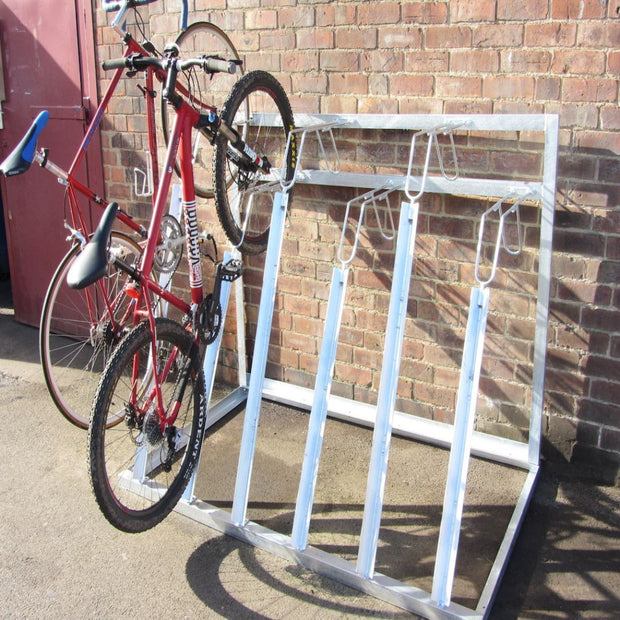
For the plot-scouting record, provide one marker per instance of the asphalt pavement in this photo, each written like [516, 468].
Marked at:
[59, 557]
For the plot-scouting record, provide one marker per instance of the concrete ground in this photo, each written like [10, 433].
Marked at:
[59, 558]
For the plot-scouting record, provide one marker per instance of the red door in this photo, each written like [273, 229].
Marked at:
[48, 58]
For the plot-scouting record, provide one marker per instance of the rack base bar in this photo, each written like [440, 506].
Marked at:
[497, 449]
[503, 555]
[226, 405]
[380, 586]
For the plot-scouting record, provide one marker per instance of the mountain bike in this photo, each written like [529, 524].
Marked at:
[80, 328]
[149, 413]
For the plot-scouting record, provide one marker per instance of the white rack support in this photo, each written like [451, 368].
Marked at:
[390, 372]
[461, 438]
[460, 454]
[259, 362]
[327, 358]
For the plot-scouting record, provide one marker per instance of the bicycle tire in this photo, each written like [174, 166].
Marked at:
[209, 91]
[75, 335]
[256, 94]
[138, 504]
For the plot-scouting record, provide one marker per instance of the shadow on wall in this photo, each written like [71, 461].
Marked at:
[583, 385]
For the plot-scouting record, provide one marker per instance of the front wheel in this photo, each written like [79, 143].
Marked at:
[259, 111]
[139, 465]
[204, 92]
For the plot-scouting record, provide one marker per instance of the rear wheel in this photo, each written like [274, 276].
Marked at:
[80, 328]
[259, 111]
[207, 92]
[139, 468]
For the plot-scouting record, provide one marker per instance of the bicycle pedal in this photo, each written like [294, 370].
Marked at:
[230, 271]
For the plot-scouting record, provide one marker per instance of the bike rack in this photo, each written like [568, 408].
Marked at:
[460, 438]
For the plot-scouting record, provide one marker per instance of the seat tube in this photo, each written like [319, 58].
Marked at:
[187, 118]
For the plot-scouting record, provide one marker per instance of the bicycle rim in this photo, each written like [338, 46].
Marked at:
[137, 472]
[202, 38]
[259, 110]
[77, 333]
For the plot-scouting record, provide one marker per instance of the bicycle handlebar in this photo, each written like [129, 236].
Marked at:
[209, 64]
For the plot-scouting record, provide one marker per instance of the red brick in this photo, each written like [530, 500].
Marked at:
[589, 90]
[315, 39]
[356, 38]
[578, 62]
[338, 61]
[408, 37]
[599, 34]
[278, 40]
[434, 395]
[524, 10]
[498, 35]
[605, 391]
[613, 63]
[348, 83]
[610, 439]
[425, 12]
[594, 411]
[447, 86]
[555, 34]
[369, 13]
[296, 17]
[474, 61]
[525, 61]
[472, 11]
[548, 89]
[411, 85]
[601, 367]
[261, 19]
[335, 15]
[504, 87]
[427, 61]
[448, 37]
[577, 9]
[293, 61]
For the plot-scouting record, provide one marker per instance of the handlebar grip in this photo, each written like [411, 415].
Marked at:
[116, 5]
[218, 65]
[114, 63]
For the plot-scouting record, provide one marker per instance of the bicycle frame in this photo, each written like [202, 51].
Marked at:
[179, 144]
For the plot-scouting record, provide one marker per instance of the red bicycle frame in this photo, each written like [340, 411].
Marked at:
[179, 144]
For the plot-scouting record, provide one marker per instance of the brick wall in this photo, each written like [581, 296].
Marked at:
[457, 56]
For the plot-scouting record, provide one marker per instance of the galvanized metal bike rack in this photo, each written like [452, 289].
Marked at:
[461, 438]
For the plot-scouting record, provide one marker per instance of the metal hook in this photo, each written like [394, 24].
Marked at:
[371, 197]
[500, 238]
[444, 129]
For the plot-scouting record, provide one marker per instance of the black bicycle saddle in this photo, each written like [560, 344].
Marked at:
[91, 263]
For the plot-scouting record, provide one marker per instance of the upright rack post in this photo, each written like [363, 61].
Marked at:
[259, 362]
[327, 358]
[390, 371]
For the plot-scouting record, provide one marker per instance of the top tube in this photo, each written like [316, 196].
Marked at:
[123, 5]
